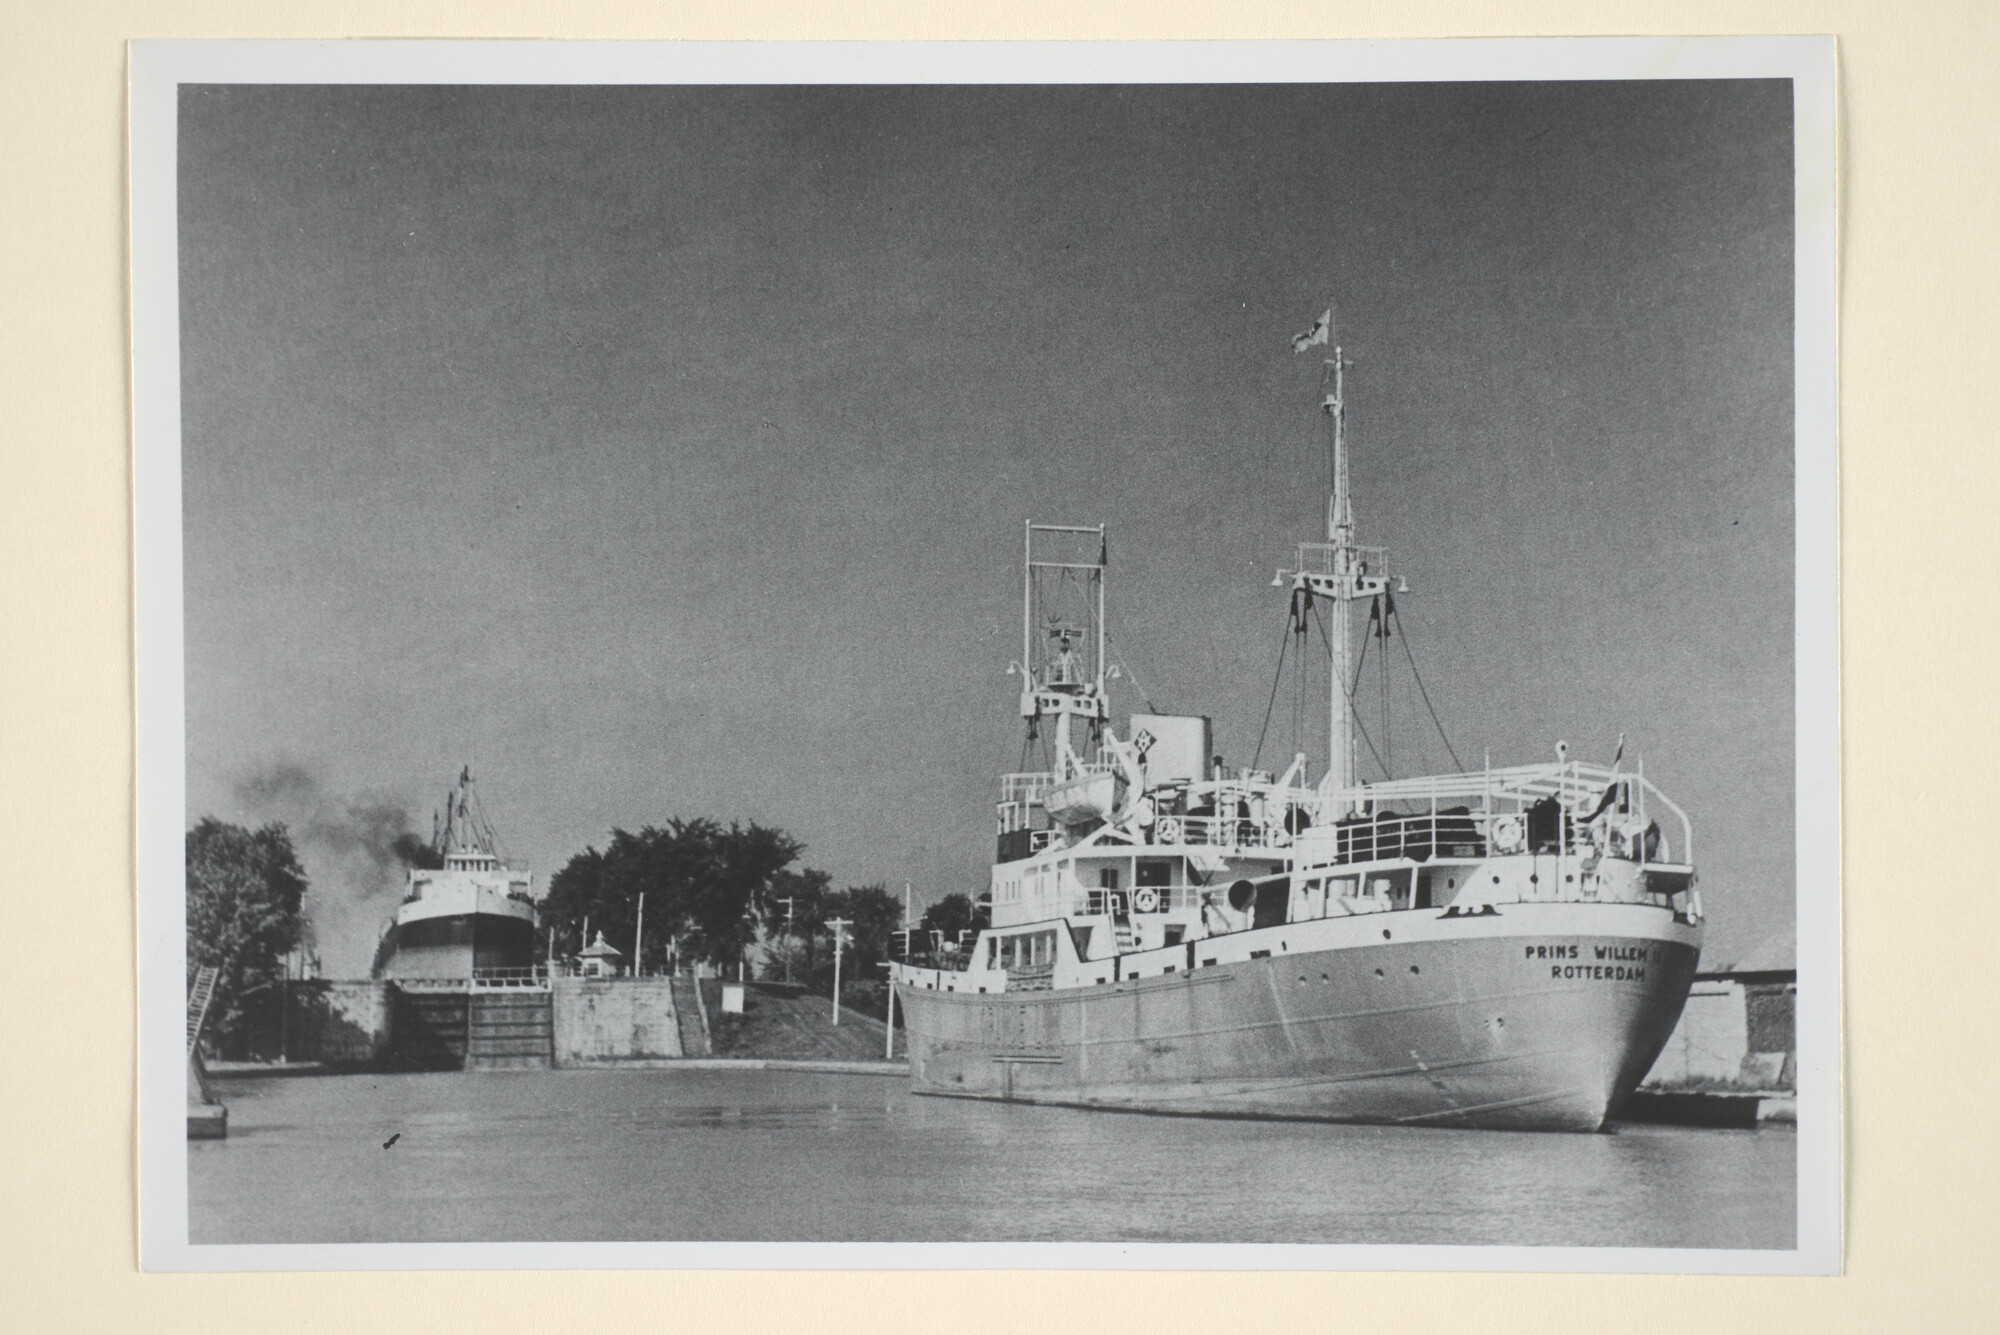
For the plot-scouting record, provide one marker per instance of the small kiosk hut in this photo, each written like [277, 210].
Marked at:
[600, 959]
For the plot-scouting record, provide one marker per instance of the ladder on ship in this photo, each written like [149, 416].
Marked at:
[1121, 927]
[199, 996]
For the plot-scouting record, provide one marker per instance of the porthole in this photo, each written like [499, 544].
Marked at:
[1324, 979]
[1385, 934]
[1415, 969]
[1378, 973]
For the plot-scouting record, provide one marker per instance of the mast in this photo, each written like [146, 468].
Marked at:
[465, 841]
[1336, 570]
[1062, 668]
[1339, 533]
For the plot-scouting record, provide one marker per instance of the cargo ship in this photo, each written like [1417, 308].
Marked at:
[470, 915]
[1500, 948]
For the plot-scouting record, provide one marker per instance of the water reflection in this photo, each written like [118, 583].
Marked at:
[785, 1156]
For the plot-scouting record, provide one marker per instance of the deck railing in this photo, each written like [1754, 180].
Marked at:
[1164, 898]
[1218, 832]
[1420, 837]
[1026, 788]
[1576, 785]
[481, 980]
[500, 980]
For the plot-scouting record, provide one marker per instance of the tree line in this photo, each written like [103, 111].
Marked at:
[713, 893]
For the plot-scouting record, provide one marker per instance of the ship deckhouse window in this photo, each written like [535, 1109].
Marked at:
[1028, 950]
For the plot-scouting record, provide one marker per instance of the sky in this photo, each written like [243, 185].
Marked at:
[664, 452]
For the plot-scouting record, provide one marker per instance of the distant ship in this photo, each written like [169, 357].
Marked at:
[470, 916]
[1496, 948]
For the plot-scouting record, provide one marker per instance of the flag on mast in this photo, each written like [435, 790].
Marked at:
[1317, 336]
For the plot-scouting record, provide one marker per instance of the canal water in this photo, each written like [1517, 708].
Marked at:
[789, 1156]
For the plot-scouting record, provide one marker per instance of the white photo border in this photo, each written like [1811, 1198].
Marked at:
[157, 68]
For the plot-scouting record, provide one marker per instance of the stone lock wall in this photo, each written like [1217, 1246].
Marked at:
[614, 1019]
[342, 1022]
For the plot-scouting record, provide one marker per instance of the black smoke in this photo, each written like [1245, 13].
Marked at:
[356, 852]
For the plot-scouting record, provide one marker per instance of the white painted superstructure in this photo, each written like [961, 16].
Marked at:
[1504, 947]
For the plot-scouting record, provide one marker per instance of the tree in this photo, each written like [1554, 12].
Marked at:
[705, 885]
[723, 903]
[871, 914]
[794, 916]
[244, 892]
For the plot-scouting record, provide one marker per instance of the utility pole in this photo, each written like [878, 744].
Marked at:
[839, 926]
[788, 901]
[285, 1010]
[639, 934]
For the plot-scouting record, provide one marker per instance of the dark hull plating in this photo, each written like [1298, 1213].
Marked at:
[454, 945]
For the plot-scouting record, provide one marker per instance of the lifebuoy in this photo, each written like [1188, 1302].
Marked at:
[1146, 900]
[1168, 831]
[1508, 834]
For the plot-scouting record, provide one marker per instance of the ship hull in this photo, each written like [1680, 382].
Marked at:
[1535, 1026]
[456, 946]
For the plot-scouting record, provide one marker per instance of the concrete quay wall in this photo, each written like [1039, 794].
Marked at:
[342, 1022]
[605, 1020]
[1736, 1033]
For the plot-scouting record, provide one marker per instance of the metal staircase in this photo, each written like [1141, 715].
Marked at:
[1121, 927]
[207, 1119]
[199, 996]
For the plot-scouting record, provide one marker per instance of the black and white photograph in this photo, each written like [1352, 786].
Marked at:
[901, 656]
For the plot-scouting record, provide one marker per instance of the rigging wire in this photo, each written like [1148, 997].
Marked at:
[1278, 677]
[1382, 676]
[1418, 677]
[1352, 712]
[1360, 662]
[1126, 668]
[1299, 684]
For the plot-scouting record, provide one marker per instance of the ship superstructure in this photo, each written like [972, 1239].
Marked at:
[471, 915]
[1508, 947]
